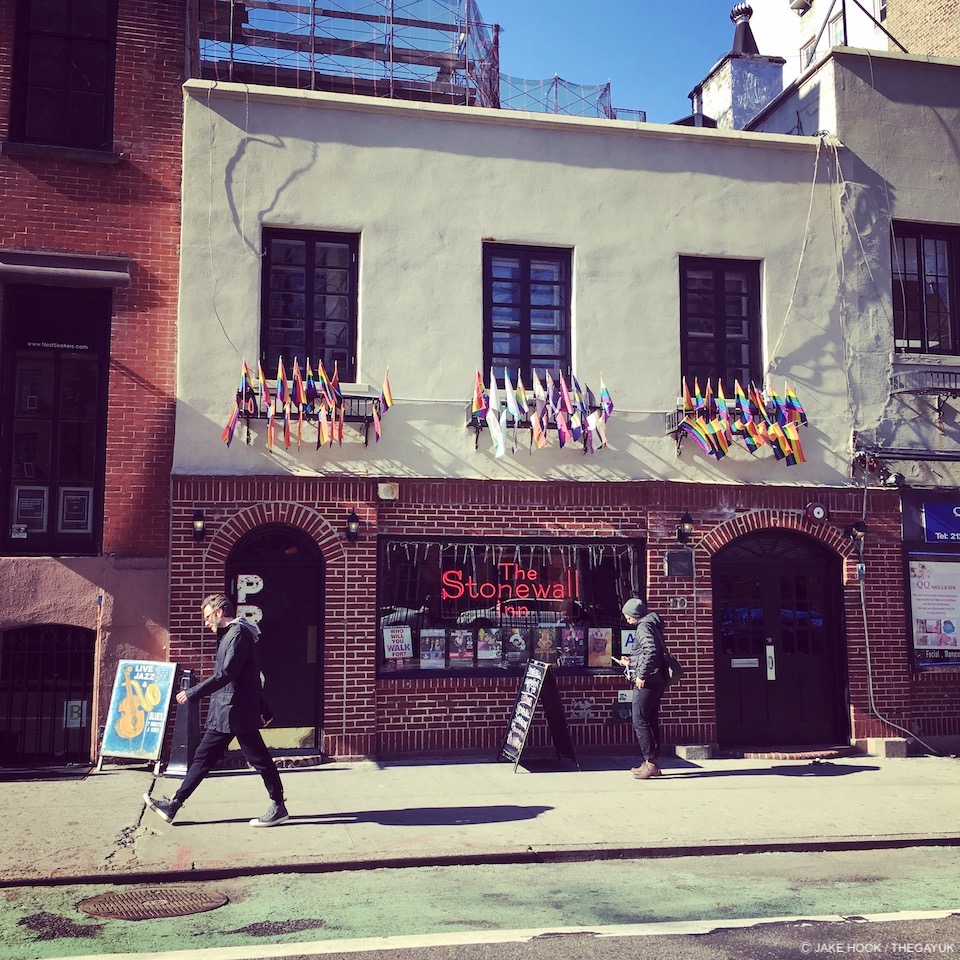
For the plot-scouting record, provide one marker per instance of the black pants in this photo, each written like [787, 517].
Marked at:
[213, 746]
[646, 720]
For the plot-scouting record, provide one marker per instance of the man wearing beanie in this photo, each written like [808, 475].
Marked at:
[647, 668]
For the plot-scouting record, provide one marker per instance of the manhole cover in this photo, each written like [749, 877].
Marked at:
[152, 904]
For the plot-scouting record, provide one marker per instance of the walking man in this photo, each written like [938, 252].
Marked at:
[235, 711]
[648, 670]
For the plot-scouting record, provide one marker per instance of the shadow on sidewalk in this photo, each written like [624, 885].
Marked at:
[817, 768]
[408, 817]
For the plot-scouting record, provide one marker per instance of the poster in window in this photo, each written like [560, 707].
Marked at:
[935, 611]
[433, 648]
[461, 648]
[489, 644]
[599, 646]
[398, 646]
[516, 649]
[547, 646]
[627, 639]
[76, 510]
[30, 508]
[573, 646]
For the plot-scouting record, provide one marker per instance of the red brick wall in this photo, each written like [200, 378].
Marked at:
[365, 716]
[931, 28]
[130, 209]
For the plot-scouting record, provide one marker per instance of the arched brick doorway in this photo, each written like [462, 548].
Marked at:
[779, 647]
[276, 574]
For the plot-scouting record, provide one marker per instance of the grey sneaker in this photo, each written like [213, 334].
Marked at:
[163, 808]
[275, 815]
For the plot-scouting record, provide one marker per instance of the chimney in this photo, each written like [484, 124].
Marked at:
[743, 82]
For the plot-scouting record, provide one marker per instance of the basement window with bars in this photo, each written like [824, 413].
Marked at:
[486, 606]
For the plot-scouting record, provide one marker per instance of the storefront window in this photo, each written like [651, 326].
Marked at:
[492, 605]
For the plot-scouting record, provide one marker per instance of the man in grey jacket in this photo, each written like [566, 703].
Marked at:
[648, 670]
[235, 711]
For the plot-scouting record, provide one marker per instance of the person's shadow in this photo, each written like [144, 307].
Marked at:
[407, 817]
[427, 816]
[816, 768]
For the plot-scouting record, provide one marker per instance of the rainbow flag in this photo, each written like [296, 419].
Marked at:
[793, 436]
[606, 401]
[246, 389]
[796, 411]
[697, 428]
[687, 399]
[311, 388]
[479, 408]
[565, 395]
[299, 398]
[386, 394]
[228, 430]
[522, 402]
[266, 404]
[376, 419]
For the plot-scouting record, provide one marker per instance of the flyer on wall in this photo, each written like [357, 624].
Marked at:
[935, 611]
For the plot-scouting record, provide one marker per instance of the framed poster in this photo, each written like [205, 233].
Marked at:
[934, 611]
[139, 704]
[76, 510]
[30, 508]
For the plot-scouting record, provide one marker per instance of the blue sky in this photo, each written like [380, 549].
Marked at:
[654, 52]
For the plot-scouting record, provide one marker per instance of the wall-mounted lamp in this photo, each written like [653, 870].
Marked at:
[857, 532]
[800, 7]
[353, 527]
[685, 528]
[199, 526]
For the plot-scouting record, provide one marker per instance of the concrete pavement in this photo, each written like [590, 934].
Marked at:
[72, 825]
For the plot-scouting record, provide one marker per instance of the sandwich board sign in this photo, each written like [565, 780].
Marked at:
[139, 705]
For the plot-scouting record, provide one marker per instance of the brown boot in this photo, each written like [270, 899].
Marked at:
[648, 770]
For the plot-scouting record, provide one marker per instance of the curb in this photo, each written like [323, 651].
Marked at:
[528, 856]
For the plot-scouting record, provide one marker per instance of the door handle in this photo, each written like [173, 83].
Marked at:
[771, 660]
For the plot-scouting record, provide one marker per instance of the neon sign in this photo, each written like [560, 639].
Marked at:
[514, 583]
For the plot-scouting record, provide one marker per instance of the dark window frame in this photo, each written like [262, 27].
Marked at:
[921, 233]
[312, 238]
[722, 371]
[526, 361]
[28, 42]
[50, 542]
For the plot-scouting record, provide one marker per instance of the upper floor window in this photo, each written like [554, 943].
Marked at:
[881, 10]
[807, 52]
[926, 268]
[309, 301]
[56, 343]
[720, 320]
[836, 32]
[63, 73]
[526, 309]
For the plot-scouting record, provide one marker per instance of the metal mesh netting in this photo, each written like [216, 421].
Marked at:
[556, 95]
[433, 50]
[438, 51]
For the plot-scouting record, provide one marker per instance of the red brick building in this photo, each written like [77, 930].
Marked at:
[90, 124]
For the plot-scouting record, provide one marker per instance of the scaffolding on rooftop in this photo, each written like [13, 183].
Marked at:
[436, 51]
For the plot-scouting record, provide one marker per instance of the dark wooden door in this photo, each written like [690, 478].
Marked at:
[779, 653]
[276, 574]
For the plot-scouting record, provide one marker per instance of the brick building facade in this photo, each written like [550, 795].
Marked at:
[90, 166]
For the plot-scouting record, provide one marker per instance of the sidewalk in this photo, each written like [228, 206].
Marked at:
[367, 815]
